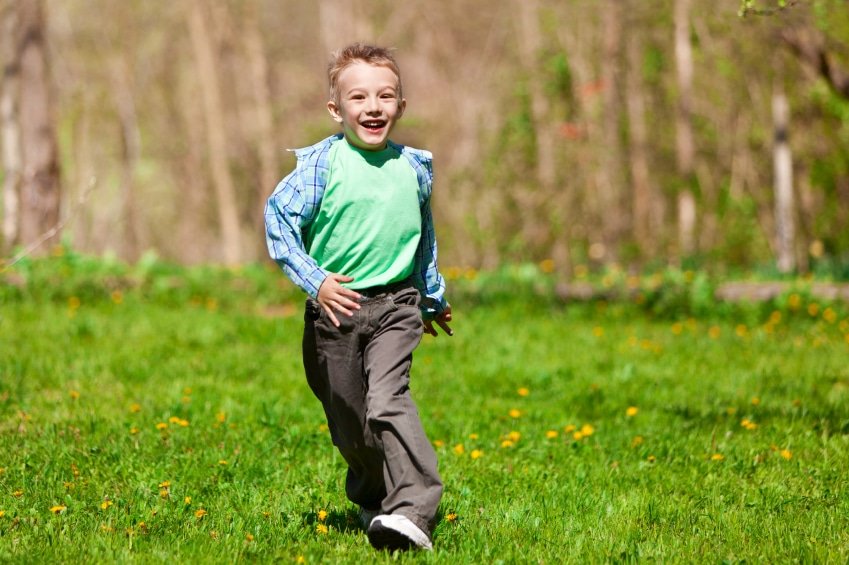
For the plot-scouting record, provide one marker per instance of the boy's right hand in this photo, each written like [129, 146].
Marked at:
[333, 296]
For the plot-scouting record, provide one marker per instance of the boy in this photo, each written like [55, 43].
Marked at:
[352, 226]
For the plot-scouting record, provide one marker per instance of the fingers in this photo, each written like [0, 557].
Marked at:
[428, 328]
[444, 325]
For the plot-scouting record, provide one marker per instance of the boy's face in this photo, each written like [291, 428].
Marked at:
[368, 106]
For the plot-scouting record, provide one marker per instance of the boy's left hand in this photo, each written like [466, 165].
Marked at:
[441, 320]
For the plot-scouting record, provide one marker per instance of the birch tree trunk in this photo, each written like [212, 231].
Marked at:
[204, 52]
[783, 171]
[11, 133]
[685, 149]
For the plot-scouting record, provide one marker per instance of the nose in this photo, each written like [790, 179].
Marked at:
[372, 105]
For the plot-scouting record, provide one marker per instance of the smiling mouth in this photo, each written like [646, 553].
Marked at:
[373, 125]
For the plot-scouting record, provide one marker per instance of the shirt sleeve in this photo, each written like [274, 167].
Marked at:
[426, 276]
[288, 211]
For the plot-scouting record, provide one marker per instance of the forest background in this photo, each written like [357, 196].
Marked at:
[573, 133]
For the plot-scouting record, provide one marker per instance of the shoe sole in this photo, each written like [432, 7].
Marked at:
[382, 537]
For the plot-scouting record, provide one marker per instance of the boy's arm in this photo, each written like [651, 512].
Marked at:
[286, 213]
[426, 275]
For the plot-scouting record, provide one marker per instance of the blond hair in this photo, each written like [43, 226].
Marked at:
[347, 56]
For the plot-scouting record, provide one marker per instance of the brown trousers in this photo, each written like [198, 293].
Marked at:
[360, 372]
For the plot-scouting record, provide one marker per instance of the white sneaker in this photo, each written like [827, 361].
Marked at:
[394, 531]
[366, 516]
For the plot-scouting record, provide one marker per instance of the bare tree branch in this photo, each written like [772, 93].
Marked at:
[809, 46]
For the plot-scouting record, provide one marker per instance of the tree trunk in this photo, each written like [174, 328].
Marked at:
[783, 167]
[40, 188]
[122, 93]
[11, 132]
[532, 197]
[638, 134]
[204, 51]
[261, 118]
[611, 185]
[685, 149]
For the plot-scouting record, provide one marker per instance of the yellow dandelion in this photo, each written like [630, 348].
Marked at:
[163, 493]
[731, 410]
[755, 401]
[322, 515]
[637, 441]
[547, 266]
[161, 426]
[577, 436]
[473, 436]
[598, 331]
[438, 443]
[631, 411]
[677, 328]
[514, 436]
[222, 462]
[183, 423]
[186, 399]
[174, 420]
[2, 470]
[74, 395]
[221, 417]
[249, 537]
[74, 303]
[651, 458]
[476, 453]
[2, 513]
[58, 509]
[506, 443]
[786, 454]
[587, 430]
[794, 301]
[633, 341]
[829, 315]
[187, 501]
[200, 513]
[515, 413]
[105, 504]
[569, 429]
[134, 430]
[323, 428]
[523, 392]
[300, 560]
[741, 330]
[321, 528]
[459, 449]
[117, 296]
[68, 485]
[717, 457]
[714, 332]
[18, 493]
[813, 309]
[451, 517]
[551, 434]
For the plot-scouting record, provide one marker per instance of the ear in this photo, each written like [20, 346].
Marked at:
[402, 105]
[334, 111]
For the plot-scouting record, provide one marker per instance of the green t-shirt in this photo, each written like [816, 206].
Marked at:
[369, 223]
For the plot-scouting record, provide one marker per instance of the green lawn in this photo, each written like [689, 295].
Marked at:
[565, 434]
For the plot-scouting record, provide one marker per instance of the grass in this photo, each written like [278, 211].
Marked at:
[704, 439]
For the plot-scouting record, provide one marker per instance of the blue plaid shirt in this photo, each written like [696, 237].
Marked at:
[295, 202]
